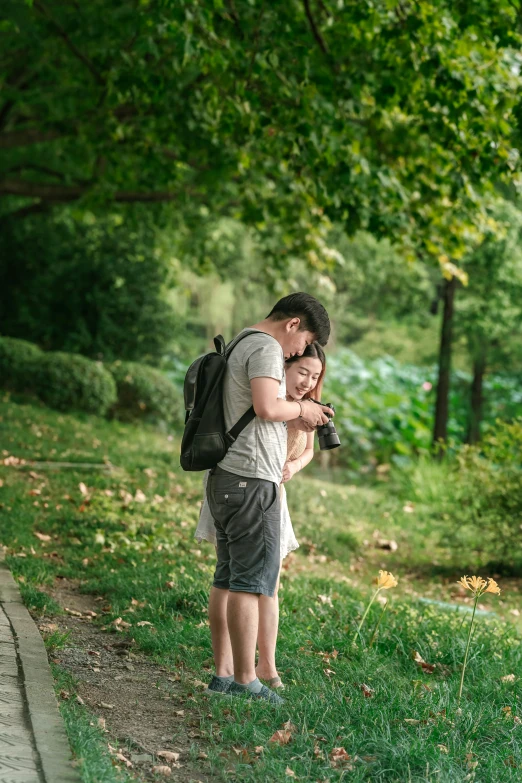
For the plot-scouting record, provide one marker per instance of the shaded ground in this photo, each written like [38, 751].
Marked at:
[140, 705]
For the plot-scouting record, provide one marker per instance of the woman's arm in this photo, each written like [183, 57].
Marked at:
[295, 465]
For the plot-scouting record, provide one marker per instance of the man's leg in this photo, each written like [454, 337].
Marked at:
[217, 615]
[267, 635]
[243, 621]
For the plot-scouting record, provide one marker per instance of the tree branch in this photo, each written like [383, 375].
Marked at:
[23, 138]
[317, 35]
[30, 209]
[67, 193]
[70, 45]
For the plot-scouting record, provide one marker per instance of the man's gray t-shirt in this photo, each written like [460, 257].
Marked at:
[260, 450]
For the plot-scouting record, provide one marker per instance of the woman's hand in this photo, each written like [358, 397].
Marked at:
[289, 470]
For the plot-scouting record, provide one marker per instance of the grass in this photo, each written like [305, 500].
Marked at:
[128, 534]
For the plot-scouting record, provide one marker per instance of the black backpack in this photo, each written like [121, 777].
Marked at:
[205, 439]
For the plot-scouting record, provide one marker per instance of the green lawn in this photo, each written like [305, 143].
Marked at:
[128, 533]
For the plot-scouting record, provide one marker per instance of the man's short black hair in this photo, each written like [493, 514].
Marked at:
[314, 317]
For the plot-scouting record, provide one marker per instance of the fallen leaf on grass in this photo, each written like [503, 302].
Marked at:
[140, 497]
[199, 684]
[339, 756]
[508, 678]
[43, 536]
[443, 748]
[73, 612]
[35, 492]
[83, 489]
[429, 668]
[120, 623]
[243, 752]
[122, 758]
[329, 672]
[412, 721]
[101, 723]
[281, 736]
[162, 769]
[289, 726]
[290, 772]
[389, 544]
[366, 690]
[80, 700]
[168, 755]
[142, 623]
[259, 749]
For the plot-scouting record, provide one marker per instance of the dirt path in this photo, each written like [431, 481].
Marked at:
[140, 704]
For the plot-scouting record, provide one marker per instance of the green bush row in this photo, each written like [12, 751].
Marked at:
[65, 381]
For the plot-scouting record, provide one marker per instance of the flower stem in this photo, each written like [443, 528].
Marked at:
[374, 634]
[374, 596]
[467, 648]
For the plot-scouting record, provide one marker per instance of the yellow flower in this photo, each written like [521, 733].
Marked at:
[492, 587]
[386, 580]
[478, 586]
[463, 582]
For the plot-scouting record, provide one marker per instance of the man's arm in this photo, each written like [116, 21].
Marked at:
[267, 405]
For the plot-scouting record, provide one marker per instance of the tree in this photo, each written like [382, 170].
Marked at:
[385, 116]
[489, 310]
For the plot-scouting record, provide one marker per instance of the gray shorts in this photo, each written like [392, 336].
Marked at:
[247, 517]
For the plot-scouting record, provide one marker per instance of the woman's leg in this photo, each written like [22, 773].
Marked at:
[267, 634]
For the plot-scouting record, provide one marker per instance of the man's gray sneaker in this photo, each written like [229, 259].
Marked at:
[218, 686]
[265, 693]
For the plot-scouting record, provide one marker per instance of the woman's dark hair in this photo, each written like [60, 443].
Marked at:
[314, 317]
[312, 351]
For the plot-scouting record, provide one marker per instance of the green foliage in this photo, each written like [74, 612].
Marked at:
[70, 382]
[144, 392]
[88, 285]
[384, 409]
[17, 361]
[281, 115]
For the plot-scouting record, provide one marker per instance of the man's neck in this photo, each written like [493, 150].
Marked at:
[273, 328]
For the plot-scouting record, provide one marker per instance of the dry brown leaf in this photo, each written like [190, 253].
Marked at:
[73, 612]
[83, 489]
[429, 668]
[412, 721]
[80, 700]
[168, 755]
[281, 736]
[43, 536]
[339, 756]
[121, 757]
[142, 623]
[290, 772]
[162, 769]
[35, 492]
[106, 706]
[101, 723]
[289, 726]
[508, 678]
[443, 748]
[259, 749]
[366, 690]
[140, 497]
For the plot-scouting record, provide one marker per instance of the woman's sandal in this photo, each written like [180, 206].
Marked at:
[275, 683]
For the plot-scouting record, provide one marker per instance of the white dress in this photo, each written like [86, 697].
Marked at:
[206, 530]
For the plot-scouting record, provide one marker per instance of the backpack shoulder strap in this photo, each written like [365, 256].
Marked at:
[230, 347]
[250, 414]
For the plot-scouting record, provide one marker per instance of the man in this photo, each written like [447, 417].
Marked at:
[243, 490]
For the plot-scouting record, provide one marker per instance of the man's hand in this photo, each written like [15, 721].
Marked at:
[314, 414]
[289, 470]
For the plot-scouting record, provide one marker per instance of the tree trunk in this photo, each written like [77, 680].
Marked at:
[440, 430]
[477, 399]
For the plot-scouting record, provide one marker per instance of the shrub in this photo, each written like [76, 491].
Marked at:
[474, 501]
[67, 381]
[17, 360]
[144, 392]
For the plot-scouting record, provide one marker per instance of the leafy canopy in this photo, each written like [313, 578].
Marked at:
[390, 116]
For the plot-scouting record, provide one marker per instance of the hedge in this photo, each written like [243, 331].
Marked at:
[144, 392]
[17, 362]
[67, 381]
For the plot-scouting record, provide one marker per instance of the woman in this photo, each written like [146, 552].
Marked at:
[304, 375]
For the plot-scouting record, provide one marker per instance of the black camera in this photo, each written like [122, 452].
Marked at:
[327, 434]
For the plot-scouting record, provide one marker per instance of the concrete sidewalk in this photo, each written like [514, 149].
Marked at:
[33, 744]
